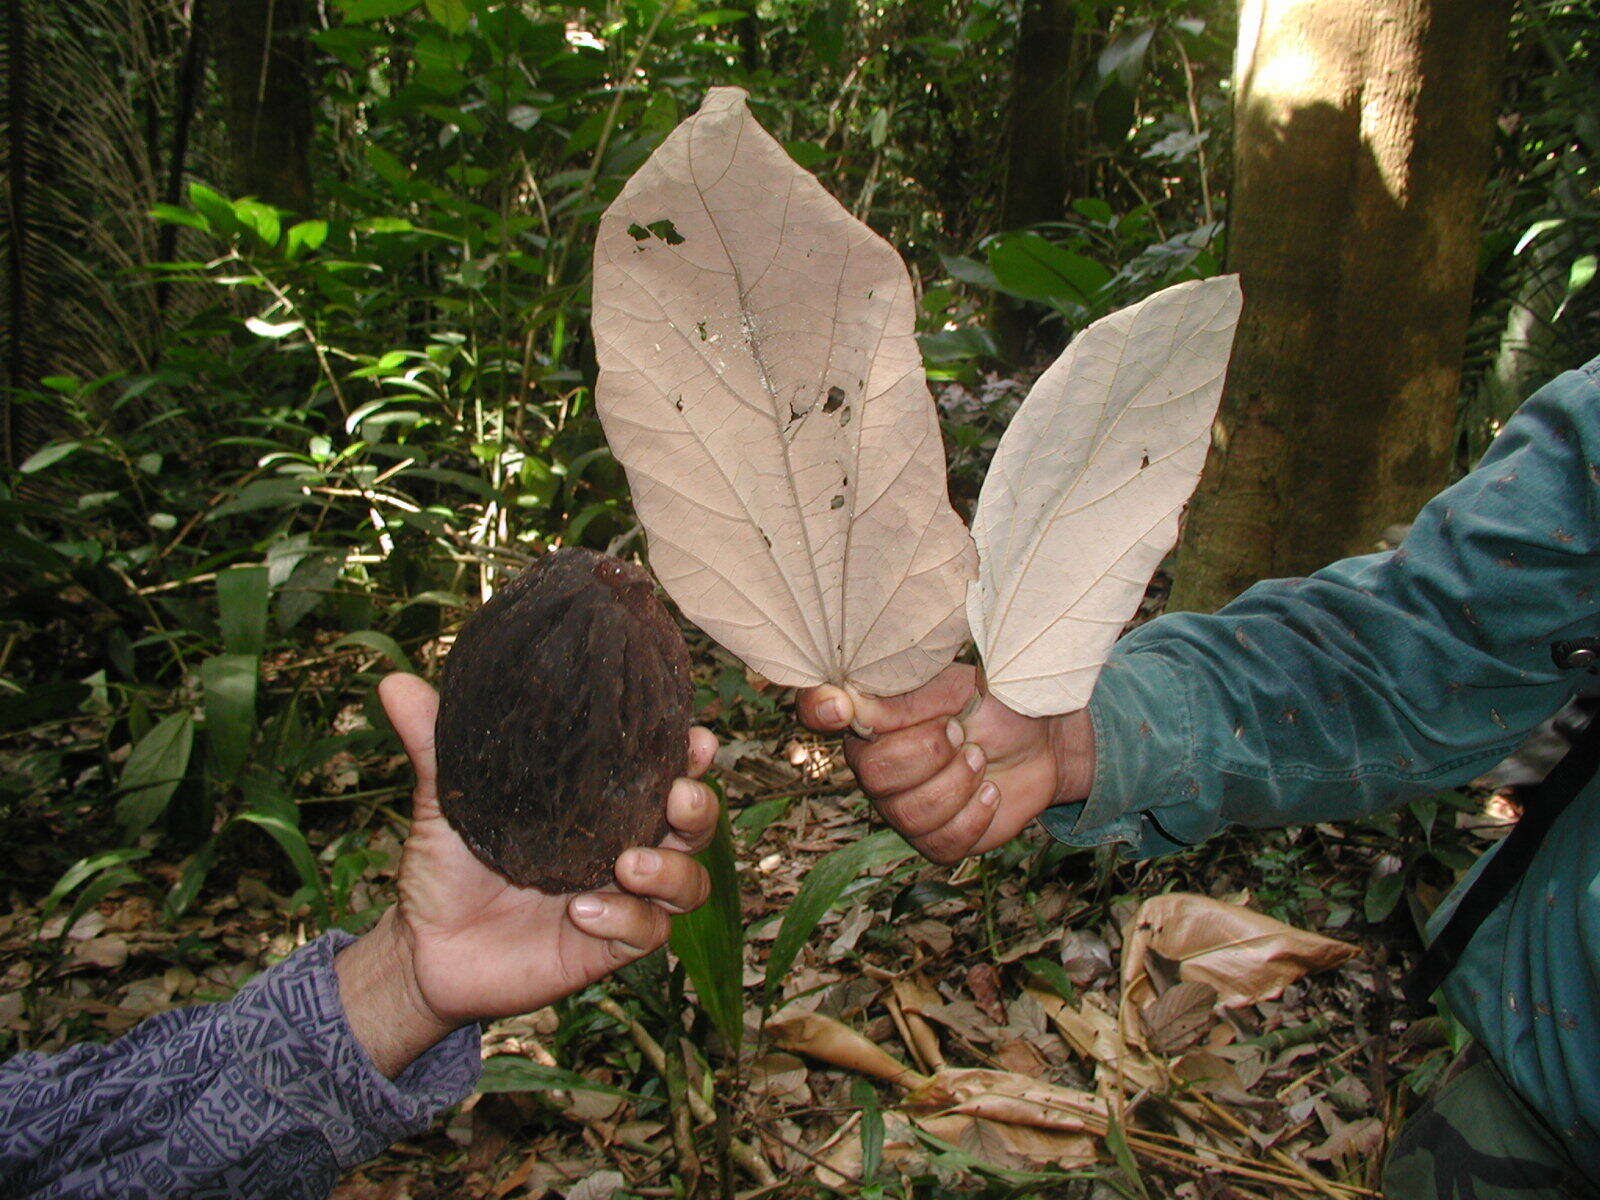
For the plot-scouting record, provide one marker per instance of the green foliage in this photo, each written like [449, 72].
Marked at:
[822, 889]
[709, 941]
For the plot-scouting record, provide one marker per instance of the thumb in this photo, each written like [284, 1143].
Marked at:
[945, 695]
[412, 707]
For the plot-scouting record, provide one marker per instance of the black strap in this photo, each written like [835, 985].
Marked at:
[1541, 805]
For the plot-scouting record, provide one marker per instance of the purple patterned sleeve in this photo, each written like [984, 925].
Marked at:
[266, 1095]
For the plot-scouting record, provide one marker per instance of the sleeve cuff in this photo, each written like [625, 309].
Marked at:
[289, 1030]
[1143, 737]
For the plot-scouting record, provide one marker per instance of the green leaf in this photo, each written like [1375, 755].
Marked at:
[214, 207]
[242, 596]
[710, 940]
[262, 218]
[374, 10]
[46, 455]
[305, 235]
[969, 270]
[228, 682]
[452, 14]
[87, 868]
[513, 1073]
[154, 769]
[295, 847]
[173, 215]
[1384, 890]
[821, 891]
[1117, 1142]
[1027, 265]
[382, 643]
[307, 587]
[194, 875]
[865, 1098]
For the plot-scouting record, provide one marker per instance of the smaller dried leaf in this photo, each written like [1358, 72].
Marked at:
[833, 1042]
[1245, 956]
[1081, 502]
[1178, 1017]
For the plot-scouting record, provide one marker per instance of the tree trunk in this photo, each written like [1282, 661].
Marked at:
[263, 71]
[1045, 135]
[1362, 135]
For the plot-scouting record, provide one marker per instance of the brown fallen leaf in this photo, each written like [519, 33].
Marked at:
[1246, 956]
[1179, 1017]
[834, 1042]
[1007, 1097]
[983, 981]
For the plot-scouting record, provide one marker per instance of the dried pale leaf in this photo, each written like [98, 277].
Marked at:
[1014, 1147]
[834, 1042]
[1081, 502]
[1246, 956]
[1009, 1147]
[1179, 1017]
[597, 1186]
[761, 383]
[1007, 1097]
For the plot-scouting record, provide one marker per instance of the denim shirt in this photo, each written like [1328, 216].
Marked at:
[1384, 678]
[266, 1095]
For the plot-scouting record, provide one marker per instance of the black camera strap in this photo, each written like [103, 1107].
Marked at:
[1541, 805]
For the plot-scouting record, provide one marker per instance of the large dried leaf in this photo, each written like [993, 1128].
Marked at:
[1082, 500]
[760, 382]
[1246, 956]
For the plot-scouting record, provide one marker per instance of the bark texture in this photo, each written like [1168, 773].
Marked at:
[263, 72]
[1362, 137]
[1046, 133]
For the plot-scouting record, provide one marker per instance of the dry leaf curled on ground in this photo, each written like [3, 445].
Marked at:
[1246, 956]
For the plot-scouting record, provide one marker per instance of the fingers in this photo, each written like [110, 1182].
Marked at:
[676, 882]
[904, 759]
[630, 925]
[702, 749]
[828, 708]
[412, 706]
[946, 817]
[692, 811]
[635, 921]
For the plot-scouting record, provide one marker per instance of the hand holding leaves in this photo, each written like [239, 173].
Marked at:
[956, 787]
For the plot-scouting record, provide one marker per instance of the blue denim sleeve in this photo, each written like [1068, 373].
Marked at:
[1379, 678]
[266, 1095]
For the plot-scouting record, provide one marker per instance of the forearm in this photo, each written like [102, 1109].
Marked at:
[1374, 680]
[268, 1095]
[382, 1003]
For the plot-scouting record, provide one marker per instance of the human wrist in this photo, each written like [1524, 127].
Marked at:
[1071, 738]
[383, 1003]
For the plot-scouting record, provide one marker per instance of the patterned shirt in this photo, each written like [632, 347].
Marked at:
[266, 1095]
[1385, 678]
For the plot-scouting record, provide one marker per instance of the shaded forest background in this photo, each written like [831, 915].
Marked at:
[297, 364]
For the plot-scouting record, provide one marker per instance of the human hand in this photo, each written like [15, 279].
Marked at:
[956, 786]
[464, 944]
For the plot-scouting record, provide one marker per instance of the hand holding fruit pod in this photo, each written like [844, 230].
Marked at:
[463, 944]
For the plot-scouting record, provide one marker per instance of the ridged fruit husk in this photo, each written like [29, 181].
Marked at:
[563, 720]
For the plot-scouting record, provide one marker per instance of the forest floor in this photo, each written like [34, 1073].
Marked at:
[1018, 1026]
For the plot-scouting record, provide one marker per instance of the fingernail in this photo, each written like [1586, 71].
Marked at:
[644, 862]
[588, 906]
[955, 733]
[831, 711]
[988, 795]
[974, 757]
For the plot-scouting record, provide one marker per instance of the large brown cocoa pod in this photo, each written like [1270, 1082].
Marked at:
[563, 720]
